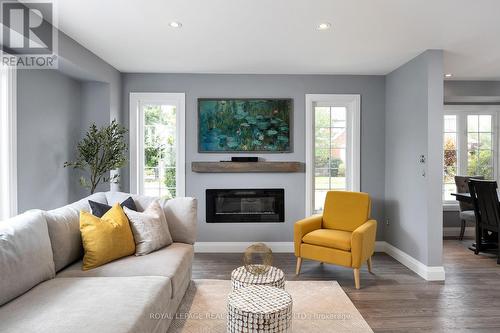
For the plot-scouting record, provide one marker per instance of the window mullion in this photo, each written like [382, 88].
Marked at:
[330, 151]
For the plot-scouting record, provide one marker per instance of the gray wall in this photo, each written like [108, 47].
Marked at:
[48, 118]
[55, 109]
[195, 86]
[414, 117]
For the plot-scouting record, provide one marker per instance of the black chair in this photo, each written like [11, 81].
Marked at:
[487, 210]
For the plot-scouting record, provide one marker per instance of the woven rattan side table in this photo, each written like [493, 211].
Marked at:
[259, 309]
[274, 277]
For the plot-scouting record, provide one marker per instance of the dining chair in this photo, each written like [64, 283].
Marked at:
[466, 209]
[487, 210]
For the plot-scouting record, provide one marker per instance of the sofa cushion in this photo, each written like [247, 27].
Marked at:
[150, 228]
[141, 201]
[99, 209]
[335, 239]
[107, 238]
[173, 261]
[64, 230]
[25, 256]
[81, 305]
[181, 213]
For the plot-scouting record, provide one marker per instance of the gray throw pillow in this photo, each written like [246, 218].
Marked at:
[150, 228]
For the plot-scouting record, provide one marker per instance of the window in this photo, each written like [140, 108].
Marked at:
[332, 146]
[157, 144]
[470, 145]
[8, 175]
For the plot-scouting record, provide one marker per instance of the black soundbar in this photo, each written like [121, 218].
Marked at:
[244, 159]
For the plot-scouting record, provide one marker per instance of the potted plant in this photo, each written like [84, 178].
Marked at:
[100, 151]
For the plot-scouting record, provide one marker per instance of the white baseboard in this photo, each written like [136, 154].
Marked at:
[430, 273]
[239, 247]
[455, 231]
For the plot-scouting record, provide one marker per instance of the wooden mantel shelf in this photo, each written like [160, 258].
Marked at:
[231, 167]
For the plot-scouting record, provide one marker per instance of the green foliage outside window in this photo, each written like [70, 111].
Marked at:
[450, 160]
[480, 163]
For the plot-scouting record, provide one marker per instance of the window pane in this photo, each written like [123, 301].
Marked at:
[338, 113]
[338, 137]
[322, 116]
[485, 164]
[485, 140]
[450, 123]
[450, 141]
[450, 163]
[485, 123]
[338, 182]
[448, 190]
[322, 182]
[472, 123]
[319, 200]
[338, 159]
[322, 158]
[159, 150]
[330, 152]
[321, 172]
[450, 166]
[472, 163]
[339, 123]
[322, 138]
[472, 141]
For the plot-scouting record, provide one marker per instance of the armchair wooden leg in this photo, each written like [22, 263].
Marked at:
[299, 263]
[356, 277]
[369, 264]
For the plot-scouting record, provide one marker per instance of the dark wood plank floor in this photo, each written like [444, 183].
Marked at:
[395, 299]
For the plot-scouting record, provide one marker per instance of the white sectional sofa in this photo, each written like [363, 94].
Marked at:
[43, 288]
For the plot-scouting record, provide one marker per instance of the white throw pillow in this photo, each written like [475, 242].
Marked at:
[150, 228]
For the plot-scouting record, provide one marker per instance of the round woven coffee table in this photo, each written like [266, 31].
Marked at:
[274, 277]
[259, 309]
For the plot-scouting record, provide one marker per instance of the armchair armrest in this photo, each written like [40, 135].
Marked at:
[363, 242]
[303, 227]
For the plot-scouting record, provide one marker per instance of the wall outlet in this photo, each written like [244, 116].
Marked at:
[387, 222]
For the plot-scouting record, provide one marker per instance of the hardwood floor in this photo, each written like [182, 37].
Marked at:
[394, 299]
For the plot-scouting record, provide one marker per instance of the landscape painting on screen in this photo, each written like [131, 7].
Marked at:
[244, 125]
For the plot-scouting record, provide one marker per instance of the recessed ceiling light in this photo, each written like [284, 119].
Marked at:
[323, 26]
[448, 75]
[175, 24]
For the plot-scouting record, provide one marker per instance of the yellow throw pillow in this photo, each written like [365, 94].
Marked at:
[107, 238]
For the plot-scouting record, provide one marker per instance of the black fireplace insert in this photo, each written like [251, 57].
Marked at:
[245, 205]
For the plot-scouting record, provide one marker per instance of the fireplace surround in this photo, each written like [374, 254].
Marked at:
[245, 205]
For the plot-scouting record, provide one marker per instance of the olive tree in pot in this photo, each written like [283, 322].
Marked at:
[99, 152]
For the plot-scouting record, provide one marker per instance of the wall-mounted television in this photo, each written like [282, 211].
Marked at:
[245, 125]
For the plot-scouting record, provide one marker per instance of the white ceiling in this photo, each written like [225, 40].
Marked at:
[279, 36]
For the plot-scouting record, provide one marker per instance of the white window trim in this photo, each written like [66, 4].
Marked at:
[353, 173]
[457, 110]
[8, 140]
[135, 122]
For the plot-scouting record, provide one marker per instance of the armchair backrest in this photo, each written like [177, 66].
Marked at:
[345, 210]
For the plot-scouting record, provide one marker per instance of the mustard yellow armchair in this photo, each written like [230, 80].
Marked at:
[343, 235]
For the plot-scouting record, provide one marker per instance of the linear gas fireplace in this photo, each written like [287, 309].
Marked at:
[245, 205]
